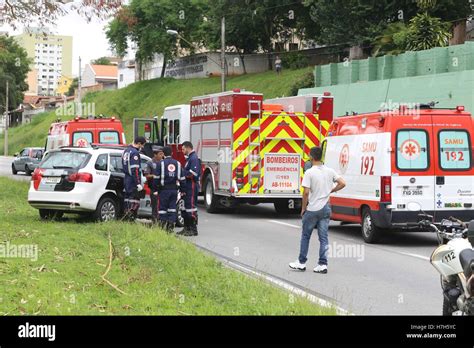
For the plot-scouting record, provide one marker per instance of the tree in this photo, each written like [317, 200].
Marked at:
[72, 87]
[425, 32]
[14, 67]
[392, 41]
[16, 13]
[146, 22]
[102, 61]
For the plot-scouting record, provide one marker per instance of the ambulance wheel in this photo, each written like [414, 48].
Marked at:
[14, 171]
[50, 215]
[370, 232]
[107, 210]
[211, 201]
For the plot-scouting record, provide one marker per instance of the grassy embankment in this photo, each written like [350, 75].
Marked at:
[158, 273]
[149, 98]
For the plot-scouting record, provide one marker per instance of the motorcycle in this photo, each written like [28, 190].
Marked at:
[454, 260]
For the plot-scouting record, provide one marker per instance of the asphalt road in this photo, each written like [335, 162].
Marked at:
[394, 277]
[6, 169]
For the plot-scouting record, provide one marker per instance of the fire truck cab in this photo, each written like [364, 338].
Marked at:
[390, 159]
[83, 132]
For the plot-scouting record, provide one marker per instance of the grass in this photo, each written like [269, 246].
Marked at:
[160, 274]
[149, 98]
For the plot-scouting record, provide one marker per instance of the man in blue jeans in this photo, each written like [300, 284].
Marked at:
[318, 183]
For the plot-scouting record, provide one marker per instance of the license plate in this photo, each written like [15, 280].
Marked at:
[415, 192]
[52, 180]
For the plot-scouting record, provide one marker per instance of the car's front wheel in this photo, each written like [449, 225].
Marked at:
[107, 210]
[14, 171]
[370, 232]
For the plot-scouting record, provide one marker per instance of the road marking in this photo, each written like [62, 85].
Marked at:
[277, 282]
[420, 257]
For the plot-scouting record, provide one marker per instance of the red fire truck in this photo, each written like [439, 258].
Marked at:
[251, 152]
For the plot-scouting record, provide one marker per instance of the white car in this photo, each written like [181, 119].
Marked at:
[83, 181]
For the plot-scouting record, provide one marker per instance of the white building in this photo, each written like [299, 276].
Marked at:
[126, 73]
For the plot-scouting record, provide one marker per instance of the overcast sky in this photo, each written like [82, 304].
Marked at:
[89, 41]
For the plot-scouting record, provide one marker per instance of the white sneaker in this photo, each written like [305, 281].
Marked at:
[323, 269]
[298, 266]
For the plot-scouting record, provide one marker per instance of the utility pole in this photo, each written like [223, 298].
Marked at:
[7, 121]
[223, 63]
[79, 103]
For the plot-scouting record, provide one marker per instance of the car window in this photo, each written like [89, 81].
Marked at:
[454, 150]
[37, 153]
[65, 159]
[110, 137]
[81, 139]
[102, 162]
[24, 152]
[412, 150]
[116, 164]
[144, 162]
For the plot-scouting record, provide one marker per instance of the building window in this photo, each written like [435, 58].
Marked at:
[121, 77]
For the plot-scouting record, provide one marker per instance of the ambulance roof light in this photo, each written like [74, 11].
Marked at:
[77, 118]
[236, 90]
[327, 94]
[113, 118]
[460, 108]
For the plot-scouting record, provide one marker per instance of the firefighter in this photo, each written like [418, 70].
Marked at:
[168, 178]
[192, 172]
[158, 155]
[132, 182]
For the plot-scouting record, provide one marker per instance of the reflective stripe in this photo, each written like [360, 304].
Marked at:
[134, 166]
[171, 210]
[129, 168]
[192, 172]
[134, 200]
[162, 173]
[156, 176]
[191, 210]
[179, 171]
[162, 212]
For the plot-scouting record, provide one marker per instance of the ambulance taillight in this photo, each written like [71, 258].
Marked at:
[386, 189]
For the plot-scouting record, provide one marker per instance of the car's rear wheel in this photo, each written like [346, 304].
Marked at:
[50, 215]
[370, 232]
[107, 210]
[28, 171]
[14, 171]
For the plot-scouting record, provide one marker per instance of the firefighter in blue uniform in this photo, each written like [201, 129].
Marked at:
[131, 162]
[149, 172]
[168, 178]
[192, 172]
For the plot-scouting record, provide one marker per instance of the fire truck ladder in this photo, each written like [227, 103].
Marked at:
[254, 158]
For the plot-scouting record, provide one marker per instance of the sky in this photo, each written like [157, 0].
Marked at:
[89, 41]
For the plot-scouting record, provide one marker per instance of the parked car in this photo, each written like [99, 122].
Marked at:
[27, 160]
[85, 180]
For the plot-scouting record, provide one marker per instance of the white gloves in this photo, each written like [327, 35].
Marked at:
[139, 188]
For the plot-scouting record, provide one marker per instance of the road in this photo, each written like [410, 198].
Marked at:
[6, 169]
[393, 277]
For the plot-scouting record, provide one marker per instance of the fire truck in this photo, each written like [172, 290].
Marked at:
[251, 151]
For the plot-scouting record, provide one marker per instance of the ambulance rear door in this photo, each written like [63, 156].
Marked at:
[454, 171]
[413, 175]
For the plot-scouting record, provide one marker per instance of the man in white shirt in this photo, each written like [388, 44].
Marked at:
[318, 183]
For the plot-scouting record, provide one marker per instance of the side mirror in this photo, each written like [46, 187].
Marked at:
[16, 154]
[470, 232]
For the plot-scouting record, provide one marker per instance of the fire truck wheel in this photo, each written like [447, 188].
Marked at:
[210, 200]
[370, 232]
[282, 207]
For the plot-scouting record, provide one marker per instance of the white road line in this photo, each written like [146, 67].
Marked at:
[297, 291]
[421, 257]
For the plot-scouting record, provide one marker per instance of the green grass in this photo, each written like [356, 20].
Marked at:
[149, 98]
[160, 274]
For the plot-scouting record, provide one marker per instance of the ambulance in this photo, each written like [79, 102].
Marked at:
[85, 131]
[390, 159]
[251, 151]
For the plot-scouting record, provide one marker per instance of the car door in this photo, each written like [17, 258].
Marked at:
[454, 169]
[116, 179]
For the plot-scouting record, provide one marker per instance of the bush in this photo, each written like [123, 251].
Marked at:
[307, 81]
[295, 60]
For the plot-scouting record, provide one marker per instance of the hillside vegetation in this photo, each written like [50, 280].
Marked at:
[149, 98]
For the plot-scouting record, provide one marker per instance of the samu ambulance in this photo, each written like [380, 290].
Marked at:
[392, 158]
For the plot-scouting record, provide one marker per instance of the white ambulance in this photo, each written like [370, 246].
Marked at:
[392, 158]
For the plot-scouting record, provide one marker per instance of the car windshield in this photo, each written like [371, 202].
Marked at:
[65, 159]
